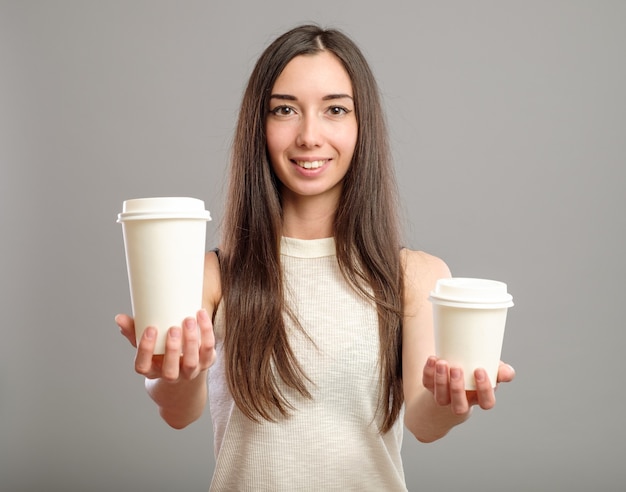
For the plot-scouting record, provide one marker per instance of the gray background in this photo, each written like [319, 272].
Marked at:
[508, 126]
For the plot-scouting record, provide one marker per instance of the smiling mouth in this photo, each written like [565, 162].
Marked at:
[310, 164]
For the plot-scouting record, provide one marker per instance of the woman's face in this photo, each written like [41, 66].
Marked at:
[311, 126]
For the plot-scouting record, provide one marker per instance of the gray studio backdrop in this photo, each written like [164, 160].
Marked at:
[508, 123]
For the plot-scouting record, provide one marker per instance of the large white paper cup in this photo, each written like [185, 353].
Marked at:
[469, 317]
[164, 240]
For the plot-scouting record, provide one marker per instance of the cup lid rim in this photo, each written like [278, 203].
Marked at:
[198, 215]
[474, 303]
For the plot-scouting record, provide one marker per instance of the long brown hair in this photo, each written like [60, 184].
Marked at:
[366, 230]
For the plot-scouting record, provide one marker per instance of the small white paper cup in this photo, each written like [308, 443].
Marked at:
[469, 318]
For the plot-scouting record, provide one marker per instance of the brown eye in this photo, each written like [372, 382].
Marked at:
[283, 111]
[338, 110]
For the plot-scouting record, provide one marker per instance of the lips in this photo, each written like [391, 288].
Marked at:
[310, 164]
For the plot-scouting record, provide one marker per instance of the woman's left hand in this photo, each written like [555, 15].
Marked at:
[448, 387]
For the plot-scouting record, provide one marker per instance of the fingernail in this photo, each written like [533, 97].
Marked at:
[479, 375]
[441, 369]
[203, 315]
[190, 324]
[455, 373]
[150, 333]
[431, 362]
[175, 332]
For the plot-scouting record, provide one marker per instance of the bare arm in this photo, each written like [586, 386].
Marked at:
[434, 392]
[177, 383]
[426, 419]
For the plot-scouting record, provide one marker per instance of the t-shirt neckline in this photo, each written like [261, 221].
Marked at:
[307, 248]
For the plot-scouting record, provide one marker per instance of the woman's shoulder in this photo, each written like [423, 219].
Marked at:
[423, 264]
[212, 291]
[421, 272]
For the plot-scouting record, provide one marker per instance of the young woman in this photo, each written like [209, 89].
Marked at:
[316, 335]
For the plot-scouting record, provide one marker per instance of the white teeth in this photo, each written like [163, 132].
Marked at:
[310, 164]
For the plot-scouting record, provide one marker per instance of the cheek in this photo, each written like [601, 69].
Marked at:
[275, 149]
[276, 140]
[347, 142]
[269, 137]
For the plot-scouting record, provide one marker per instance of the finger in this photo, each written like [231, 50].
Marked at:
[442, 383]
[458, 397]
[506, 373]
[171, 358]
[207, 339]
[145, 349]
[126, 325]
[191, 345]
[484, 390]
[428, 377]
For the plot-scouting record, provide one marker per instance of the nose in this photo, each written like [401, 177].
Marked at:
[310, 132]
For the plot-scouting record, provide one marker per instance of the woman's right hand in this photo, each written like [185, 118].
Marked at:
[197, 347]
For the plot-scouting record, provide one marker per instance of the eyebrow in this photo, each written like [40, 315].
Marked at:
[329, 97]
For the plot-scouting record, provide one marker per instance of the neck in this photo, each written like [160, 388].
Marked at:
[308, 217]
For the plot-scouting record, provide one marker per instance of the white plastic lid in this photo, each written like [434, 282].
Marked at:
[471, 291]
[163, 208]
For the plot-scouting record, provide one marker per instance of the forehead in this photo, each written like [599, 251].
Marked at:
[322, 72]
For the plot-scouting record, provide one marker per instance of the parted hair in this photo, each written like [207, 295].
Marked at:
[257, 352]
